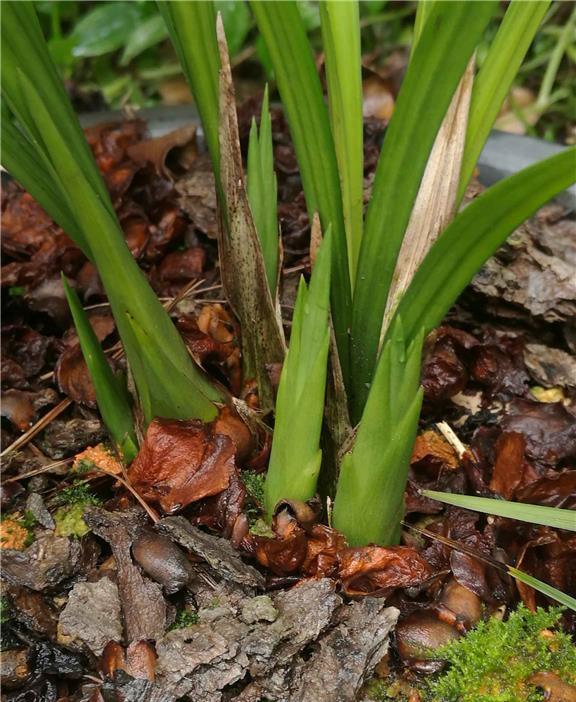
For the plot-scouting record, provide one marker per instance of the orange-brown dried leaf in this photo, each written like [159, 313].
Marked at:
[181, 462]
[434, 451]
[13, 535]
[374, 570]
[101, 457]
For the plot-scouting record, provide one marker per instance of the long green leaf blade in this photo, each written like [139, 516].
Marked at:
[296, 456]
[369, 503]
[341, 39]
[35, 95]
[112, 398]
[542, 587]
[533, 514]
[285, 37]
[192, 29]
[263, 192]
[494, 79]
[449, 36]
[476, 234]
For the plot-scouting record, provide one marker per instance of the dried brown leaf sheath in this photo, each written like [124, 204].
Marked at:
[241, 260]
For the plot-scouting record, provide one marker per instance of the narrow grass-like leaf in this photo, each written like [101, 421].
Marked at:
[192, 29]
[542, 587]
[533, 514]
[50, 136]
[494, 79]
[263, 192]
[241, 260]
[285, 36]
[111, 395]
[448, 38]
[475, 234]
[369, 503]
[340, 23]
[296, 456]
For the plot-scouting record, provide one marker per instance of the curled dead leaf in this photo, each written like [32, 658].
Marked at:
[372, 570]
[181, 462]
[73, 377]
[157, 150]
[509, 464]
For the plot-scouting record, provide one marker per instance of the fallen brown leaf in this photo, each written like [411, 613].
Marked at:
[181, 462]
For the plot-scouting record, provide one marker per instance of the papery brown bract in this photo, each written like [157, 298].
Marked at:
[373, 570]
[181, 462]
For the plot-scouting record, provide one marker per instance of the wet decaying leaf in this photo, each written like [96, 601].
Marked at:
[374, 570]
[432, 454]
[21, 407]
[156, 151]
[549, 429]
[181, 462]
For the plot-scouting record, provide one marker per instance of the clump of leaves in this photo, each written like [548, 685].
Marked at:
[495, 661]
[184, 618]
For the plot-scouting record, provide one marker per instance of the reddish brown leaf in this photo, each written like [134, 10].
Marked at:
[322, 550]
[509, 465]
[284, 554]
[554, 489]
[556, 689]
[181, 462]
[182, 266]
[375, 570]
[73, 377]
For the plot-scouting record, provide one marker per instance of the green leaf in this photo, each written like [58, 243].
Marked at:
[533, 514]
[494, 79]
[105, 29]
[192, 29]
[111, 395]
[341, 40]
[299, 85]
[475, 235]
[148, 33]
[48, 135]
[369, 503]
[263, 192]
[296, 456]
[237, 22]
[551, 592]
[448, 39]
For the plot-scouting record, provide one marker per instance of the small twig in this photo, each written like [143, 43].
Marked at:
[38, 471]
[448, 433]
[40, 424]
